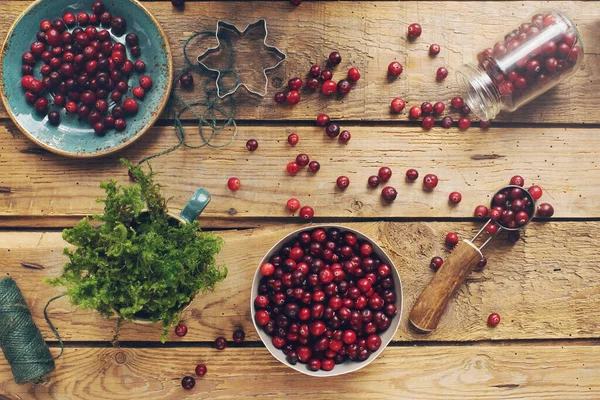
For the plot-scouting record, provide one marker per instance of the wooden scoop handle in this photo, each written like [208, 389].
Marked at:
[432, 302]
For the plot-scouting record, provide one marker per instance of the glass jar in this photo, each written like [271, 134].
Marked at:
[543, 51]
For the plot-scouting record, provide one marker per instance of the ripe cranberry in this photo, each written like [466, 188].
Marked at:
[120, 124]
[312, 83]
[41, 105]
[71, 107]
[517, 180]
[302, 160]
[426, 108]
[545, 210]
[464, 123]
[438, 108]
[329, 87]
[397, 104]
[353, 74]
[428, 122]
[492, 228]
[389, 194]
[145, 81]
[414, 31]
[484, 125]
[101, 105]
[188, 382]
[335, 58]
[181, 330]
[344, 87]
[415, 112]
[292, 168]
[436, 262]
[139, 92]
[201, 370]
[314, 166]
[279, 97]
[536, 192]
[295, 84]
[451, 239]
[53, 37]
[252, 145]
[430, 181]
[262, 317]
[481, 211]
[447, 122]
[307, 212]
[45, 25]
[83, 18]
[314, 364]
[267, 269]
[494, 319]
[373, 181]
[332, 130]
[394, 69]
[342, 182]
[481, 264]
[238, 337]
[54, 118]
[99, 127]
[293, 139]
[455, 197]
[441, 74]
[233, 184]
[345, 137]
[457, 102]
[412, 175]
[130, 105]
[315, 71]
[434, 50]
[326, 75]
[349, 336]
[30, 97]
[322, 120]
[220, 343]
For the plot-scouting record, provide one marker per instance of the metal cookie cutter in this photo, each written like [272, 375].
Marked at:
[226, 25]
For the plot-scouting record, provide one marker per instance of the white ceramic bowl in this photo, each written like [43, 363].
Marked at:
[349, 365]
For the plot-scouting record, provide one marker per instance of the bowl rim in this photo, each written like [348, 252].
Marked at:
[395, 325]
[112, 150]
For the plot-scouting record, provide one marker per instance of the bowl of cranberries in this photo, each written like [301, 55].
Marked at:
[326, 300]
[85, 78]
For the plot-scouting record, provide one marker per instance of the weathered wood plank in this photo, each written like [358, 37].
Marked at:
[370, 36]
[546, 286]
[490, 372]
[474, 163]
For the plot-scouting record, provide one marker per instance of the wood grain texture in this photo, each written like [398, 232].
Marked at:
[546, 286]
[370, 35]
[475, 163]
[490, 372]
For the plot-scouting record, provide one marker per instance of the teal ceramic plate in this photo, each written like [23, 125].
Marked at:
[74, 137]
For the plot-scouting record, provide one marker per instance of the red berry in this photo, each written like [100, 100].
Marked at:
[293, 139]
[536, 192]
[181, 330]
[384, 173]
[130, 105]
[295, 84]
[389, 194]
[45, 25]
[457, 102]
[293, 204]
[314, 166]
[238, 336]
[188, 382]
[353, 74]
[438, 108]
[464, 123]
[426, 108]
[484, 124]
[139, 92]
[279, 97]
[312, 83]
[69, 18]
[315, 71]
[415, 112]
[342, 182]
[220, 343]
[545, 210]
[332, 130]
[326, 75]
[201, 370]
[412, 175]
[373, 181]
[292, 97]
[430, 181]
[395, 68]
[343, 87]
[292, 168]
[441, 74]
[414, 31]
[517, 180]
[465, 110]
[481, 211]
[436, 263]
[428, 122]
[329, 87]
[41, 105]
[434, 49]
[335, 58]
[302, 160]
[307, 212]
[83, 18]
[397, 104]
[451, 239]
[455, 197]
[233, 184]
[345, 137]
[349, 336]
[262, 317]
[494, 319]
[120, 124]
[447, 122]
[322, 120]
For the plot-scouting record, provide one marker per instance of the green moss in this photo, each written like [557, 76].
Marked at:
[139, 264]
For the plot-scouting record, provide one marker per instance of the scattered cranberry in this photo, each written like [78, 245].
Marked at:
[312, 83]
[344, 87]
[434, 50]
[329, 87]
[41, 105]
[492, 228]
[441, 73]
[220, 343]
[186, 79]
[373, 181]
[292, 168]
[302, 160]
[481, 264]
[428, 122]
[414, 31]
[201, 370]
[398, 104]
[384, 173]
[188, 382]
[395, 68]
[436, 263]
[315, 71]
[484, 124]
[342, 182]
[447, 122]
[481, 211]
[412, 175]
[307, 212]
[130, 105]
[451, 239]
[536, 192]
[292, 205]
[322, 120]
[430, 181]
[238, 337]
[139, 92]
[455, 197]
[457, 102]
[494, 319]
[332, 130]
[517, 180]
[426, 108]
[545, 210]
[295, 84]
[292, 97]
[335, 58]
[54, 118]
[345, 137]
[464, 123]
[293, 139]
[353, 74]
[234, 184]
[415, 112]
[389, 194]
[279, 97]
[326, 75]
[181, 330]
[314, 166]
[438, 108]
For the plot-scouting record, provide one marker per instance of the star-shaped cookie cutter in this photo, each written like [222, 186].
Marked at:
[226, 25]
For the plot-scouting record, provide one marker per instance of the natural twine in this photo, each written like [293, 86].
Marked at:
[21, 341]
[209, 103]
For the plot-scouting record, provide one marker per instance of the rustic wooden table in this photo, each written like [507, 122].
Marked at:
[546, 287]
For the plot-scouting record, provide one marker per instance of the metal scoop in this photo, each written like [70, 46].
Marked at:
[431, 304]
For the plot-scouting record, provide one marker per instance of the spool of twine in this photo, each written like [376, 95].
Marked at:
[21, 340]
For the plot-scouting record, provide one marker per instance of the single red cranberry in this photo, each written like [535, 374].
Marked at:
[262, 317]
[302, 160]
[188, 382]
[415, 112]
[414, 31]
[41, 105]
[395, 68]
[45, 25]
[279, 97]
[109, 122]
[438, 108]
[99, 127]
[28, 58]
[344, 87]
[314, 364]
[295, 84]
[428, 122]
[373, 181]
[517, 180]
[136, 51]
[53, 37]
[335, 58]
[312, 83]
[101, 105]
[481, 211]
[436, 262]
[201, 370]
[412, 175]
[451, 239]
[441, 73]
[521, 218]
[481, 264]
[59, 25]
[465, 110]
[293, 139]
[181, 330]
[426, 108]
[220, 343]
[389, 194]
[353, 74]
[267, 269]
[69, 18]
[140, 66]
[397, 104]
[130, 105]
[455, 197]
[457, 102]
[252, 145]
[492, 228]
[345, 137]
[146, 82]
[238, 337]
[139, 92]
[307, 212]
[293, 204]
[484, 125]
[332, 130]
[342, 182]
[326, 75]
[430, 181]
[234, 184]
[536, 192]
[314, 166]
[322, 120]
[384, 173]
[292, 168]
[494, 319]
[31, 97]
[105, 18]
[83, 18]
[315, 71]
[132, 39]
[434, 50]
[545, 210]
[54, 118]
[71, 107]
[98, 7]
[464, 123]
[329, 87]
